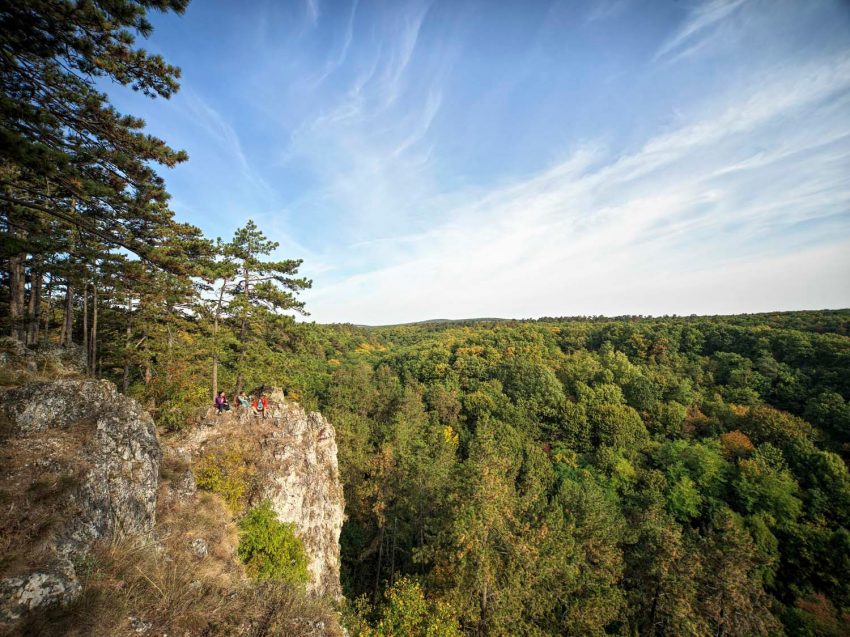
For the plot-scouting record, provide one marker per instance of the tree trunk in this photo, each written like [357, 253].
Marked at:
[654, 610]
[34, 309]
[16, 296]
[170, 354]
[215, 375]
[482, 624]
[93, 340]
[49, 310]
[215, 340]
[125, 381]
[392, 552]
[86, 323]
[67, 337]
[378, 571]
[243, 332]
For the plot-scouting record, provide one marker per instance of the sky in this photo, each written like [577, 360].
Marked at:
[518, 159]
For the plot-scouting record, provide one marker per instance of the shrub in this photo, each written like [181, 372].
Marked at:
[225, 473]
[270, 548]
[179, 410]
[406, 612]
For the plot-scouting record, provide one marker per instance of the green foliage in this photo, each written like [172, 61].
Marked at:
[666, 476]
[675, 476]
[406, 612]
[227, 473]
[182, 408]
[764, 485]
[685, 499]
[270, 549]
[593, 477]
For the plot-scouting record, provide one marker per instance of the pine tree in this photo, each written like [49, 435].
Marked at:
[67, 157]
[261, 290]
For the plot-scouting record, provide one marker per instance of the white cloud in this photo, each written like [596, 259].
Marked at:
[705, 17]
[659, 230]
[368, 148]
[313, 12]
[606, 10]
[208, 118]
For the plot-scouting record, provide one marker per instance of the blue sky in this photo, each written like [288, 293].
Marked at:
[454, 159]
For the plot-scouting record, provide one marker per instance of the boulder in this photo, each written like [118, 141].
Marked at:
[58, 360]
[84, 457]
[199, 547]
[54, 584]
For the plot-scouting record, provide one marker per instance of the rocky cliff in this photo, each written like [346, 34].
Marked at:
[85, 483]
[80, 464]
[293, 455]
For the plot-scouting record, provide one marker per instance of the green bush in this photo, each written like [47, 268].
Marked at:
[406, 612]
[225, 473]
[270, 548]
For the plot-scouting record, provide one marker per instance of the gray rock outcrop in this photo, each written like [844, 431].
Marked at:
[55, 583]
[305, 490]
[82, 457]
[300, 476]
[57, 360]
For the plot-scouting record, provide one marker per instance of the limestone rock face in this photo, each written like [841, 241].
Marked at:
[84, 462]
[305, 489]
[55, 584]
[296, 457]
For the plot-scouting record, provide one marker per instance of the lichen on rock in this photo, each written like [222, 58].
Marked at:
[82, 465]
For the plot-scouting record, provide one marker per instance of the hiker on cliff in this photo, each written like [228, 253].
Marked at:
[221, 403]
[242, 401]
[261, 405]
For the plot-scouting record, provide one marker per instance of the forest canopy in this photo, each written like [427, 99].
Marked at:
[580, 476]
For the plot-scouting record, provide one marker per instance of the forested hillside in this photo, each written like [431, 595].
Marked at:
[572, 476]
[578, 476]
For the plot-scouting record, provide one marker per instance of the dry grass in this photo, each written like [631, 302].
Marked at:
[37, 474]
[154, 585]
[19, 373]
[241, 442]
[139, 582]
[10, 377]
[159, 583]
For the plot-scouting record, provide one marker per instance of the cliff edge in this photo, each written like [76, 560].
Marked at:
[291, 460]
[104, 531]
[80, 464]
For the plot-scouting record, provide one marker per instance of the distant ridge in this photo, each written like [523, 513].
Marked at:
[440, 321]
[775, 317]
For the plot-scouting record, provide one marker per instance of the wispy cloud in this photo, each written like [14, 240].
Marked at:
[335, 63]
[606, 10]
[689, 202]
[465, 159]
[368, 147]
[705, 17]
[312, 7]
[208, 118]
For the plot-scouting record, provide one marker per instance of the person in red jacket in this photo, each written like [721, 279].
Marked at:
[260, 405]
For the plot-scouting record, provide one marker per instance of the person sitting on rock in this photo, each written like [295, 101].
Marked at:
[261, 405]
[242, 401]
[221, 403]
